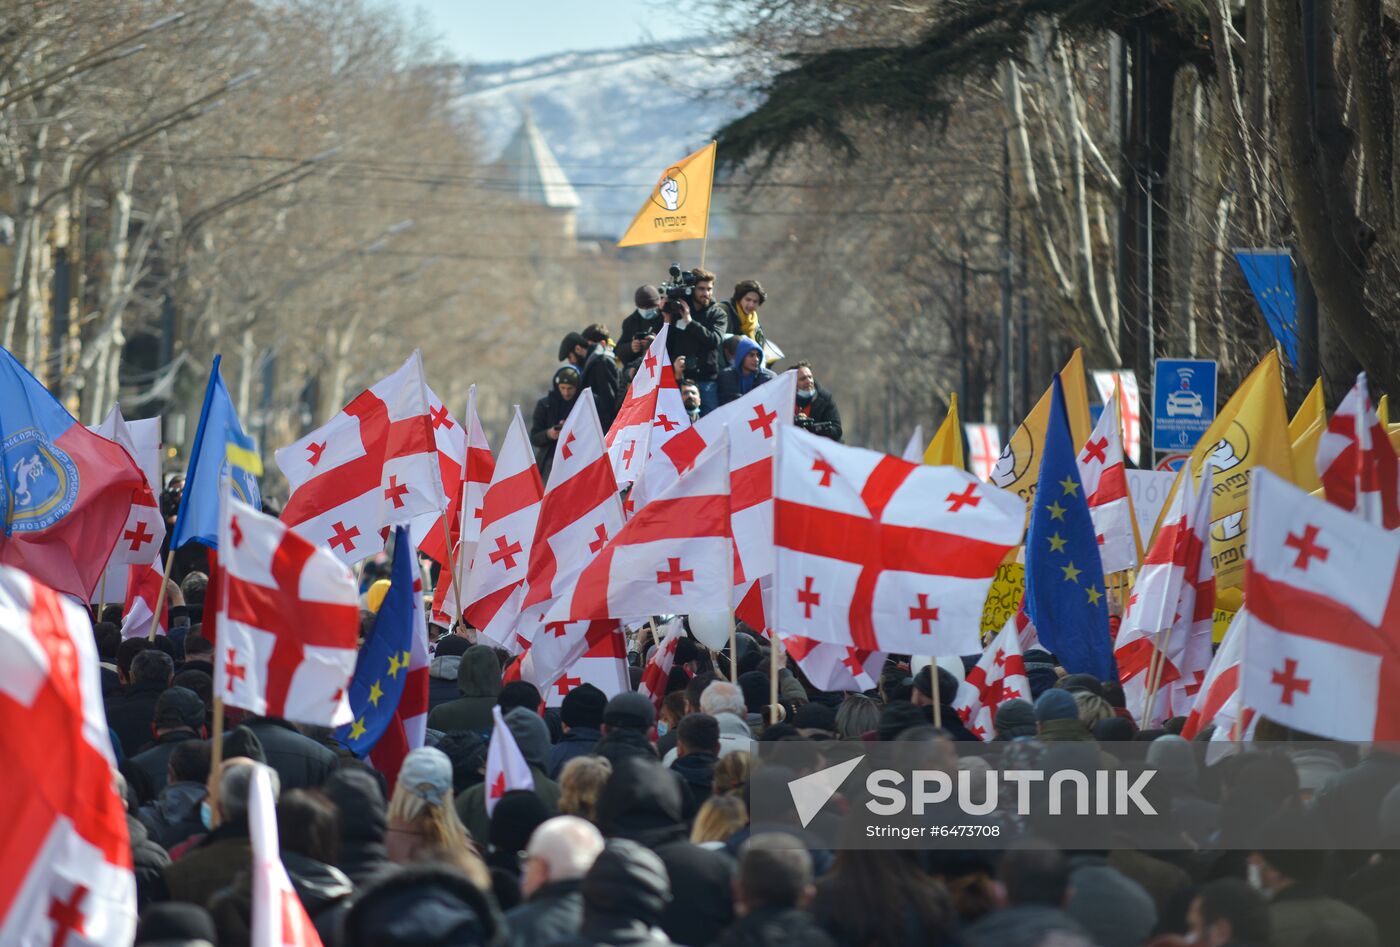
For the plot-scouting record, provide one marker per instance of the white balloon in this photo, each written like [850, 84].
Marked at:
[712, 629]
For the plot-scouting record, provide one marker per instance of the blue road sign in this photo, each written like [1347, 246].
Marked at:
[1183, 402]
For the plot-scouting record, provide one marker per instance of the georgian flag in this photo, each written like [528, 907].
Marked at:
[1000, 675]
[464, 513]
[834, 667]
[1105, 479]
[140, 541]
[658, 670]
[278, 917]
[142, 589]
[1357, 465]
[506, 769]
[429, 530]
[650, 415]
[604, 665]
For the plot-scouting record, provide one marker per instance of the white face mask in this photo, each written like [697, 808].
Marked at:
[206, 815]
[661, 728]
[1255, 876]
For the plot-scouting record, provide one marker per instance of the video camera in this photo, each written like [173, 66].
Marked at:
[680, 285]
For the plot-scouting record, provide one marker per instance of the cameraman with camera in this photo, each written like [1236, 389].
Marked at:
[710, 314]
[690, 344]
[641, 325]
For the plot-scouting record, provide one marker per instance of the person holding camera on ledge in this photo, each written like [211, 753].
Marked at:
[705, 312]
[641, 326]
[550, 412]
[692, 345]
[816, 409]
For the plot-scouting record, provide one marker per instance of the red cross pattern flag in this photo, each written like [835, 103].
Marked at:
[510, 512]
[288, 619]
[883, 555]
[674, 556]
[1105, 479]
[140, 541]
[1357, 465]
[650, 415]
[278, 917]
[372, 466]
[142, 590]
[506, 769]
[604, 665]
[580, 512]
[1217, 700]
[1129, 406]
[67, 869]
[834, 667]
[1322, 641]
[1000, 675]
[984, 449]
[1171, 610]
[464, 513]
[657, 673]
[429, 529]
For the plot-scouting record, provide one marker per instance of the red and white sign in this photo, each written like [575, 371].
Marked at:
[1357, 465]
[278, 917]
[984, 448]
[1103, 473]
[834, 667]
[140, 541]
[1000, 675]
[506, 769]
[883, 555]
[1322, 649]
[650, 415]
[67, 873]
[372, 466]
[1129, 406]
[510, 512]
[464, 512]
[1171, 610]
[289, 621]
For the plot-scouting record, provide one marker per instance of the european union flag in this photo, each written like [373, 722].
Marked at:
[1269, 273]
[1064, 577]
[220, 449]
[382, 668]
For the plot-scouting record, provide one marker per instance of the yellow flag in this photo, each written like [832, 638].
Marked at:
[1018, 468]
[1383, 411]
[946, 449]
[679, 205]
[1251, 431]
[1304, 431]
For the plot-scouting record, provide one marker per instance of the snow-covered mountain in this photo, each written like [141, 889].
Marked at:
[614, 118]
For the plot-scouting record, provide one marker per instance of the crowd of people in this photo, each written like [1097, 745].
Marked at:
[717, 350]
[638, 829]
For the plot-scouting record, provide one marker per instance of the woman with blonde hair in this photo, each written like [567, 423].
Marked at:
[732, 774]
[580, 782]
[423, 823]
[717, 821]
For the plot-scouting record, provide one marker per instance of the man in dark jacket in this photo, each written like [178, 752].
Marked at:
[300, 761]
[442, 670]
[129, 714]
[560, 853]
[772, 888]
[696, 343]
[641, 326]
[174, 815]
[601, 373]
[745, 373]
[923, 696]
[712, 316]
[627, 722]
[697, 752]
[625, 895]
[581, 713]
[478, 683]
[550, 413]
[179, 717]
[358, 795]
[642, 802]
[210, 866]
[816, 409]
[424, 905]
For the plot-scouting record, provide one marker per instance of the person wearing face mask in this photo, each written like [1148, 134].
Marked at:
[816, 409]
[640, 326]
[1227, 913]
[1301, 913]
[550, 413]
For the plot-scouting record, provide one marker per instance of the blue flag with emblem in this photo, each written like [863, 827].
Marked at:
[382, 668]
[220, 449]
[1269, 273]
[1065, 595]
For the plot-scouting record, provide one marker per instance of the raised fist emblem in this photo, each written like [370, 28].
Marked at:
[670, 192]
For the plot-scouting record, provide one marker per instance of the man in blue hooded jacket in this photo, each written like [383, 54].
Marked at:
[746, 372]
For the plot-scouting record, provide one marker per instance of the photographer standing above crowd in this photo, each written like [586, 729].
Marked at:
[693, 347]
[641, 325]
[711, 316]
[550, 412]
[816, 409]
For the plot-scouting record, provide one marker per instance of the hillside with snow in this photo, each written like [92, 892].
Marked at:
[613, 118]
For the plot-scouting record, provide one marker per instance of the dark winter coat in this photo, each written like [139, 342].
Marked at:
[210, 866]
[776, 927]
[423, 905]
[550, 410]
[478, 682]
[174, 814]
[300, 761]
[732, 380]
[324, 891]
[442, 679]
[602, 374]
[553, 913]
[1301, 915]
[636, 326]
[146, 771]
[471, 803]
[716, 322]
[698, 771]
[363, 825]
[620, 744]
[699, 346]
[821, 415]
[578, 741]
[129, 714]
[148, 861]
[1372, 891]
[625, 895]
[1357, 790]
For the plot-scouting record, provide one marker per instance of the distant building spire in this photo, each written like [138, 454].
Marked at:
[531, 171]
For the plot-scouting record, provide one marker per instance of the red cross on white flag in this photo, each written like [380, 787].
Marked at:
[430, 529]
[506, 769]
[1129, 406]
[604, 665]
[657, 673]
[1322, 648]
[67, 873]
[278, 917]
[881, 554]
[834, 667]
[1000, 675]
[650, 415]
[373, 465]
[289, 621]
[464, 513]
[1217, 701]
[984, 448]
[1105, 479]
[1357, 465]
[142, 589]
[140, 540]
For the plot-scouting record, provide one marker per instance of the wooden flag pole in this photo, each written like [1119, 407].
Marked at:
[774, 654]
[937, 696]
[102, 592]
[160, 596]
[733, 650]
[216, 758]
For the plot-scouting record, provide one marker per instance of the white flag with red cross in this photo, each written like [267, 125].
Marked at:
[834, 667]
[604, 665]
[142, 590]
[1322, 642]
[650, 415]
[278, 917]
[1171, 610]
[141, 538]
[67, 875]
[883, 555]
[1216, 702]
[1356, 463]
[983, 449]
[658, 670]
[1129, 406]
[464, 512]
[510, 510]
[506, 769]
[580, 512]
[674, 556]
[289, 621]
[429, 530]
[1000, 675]
[1105, 479]
[371, 467]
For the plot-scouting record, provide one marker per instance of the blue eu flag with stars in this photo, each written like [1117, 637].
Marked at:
[382, 667]
[1065, 595]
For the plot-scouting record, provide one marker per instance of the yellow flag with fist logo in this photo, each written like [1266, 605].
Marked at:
[679, 205]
